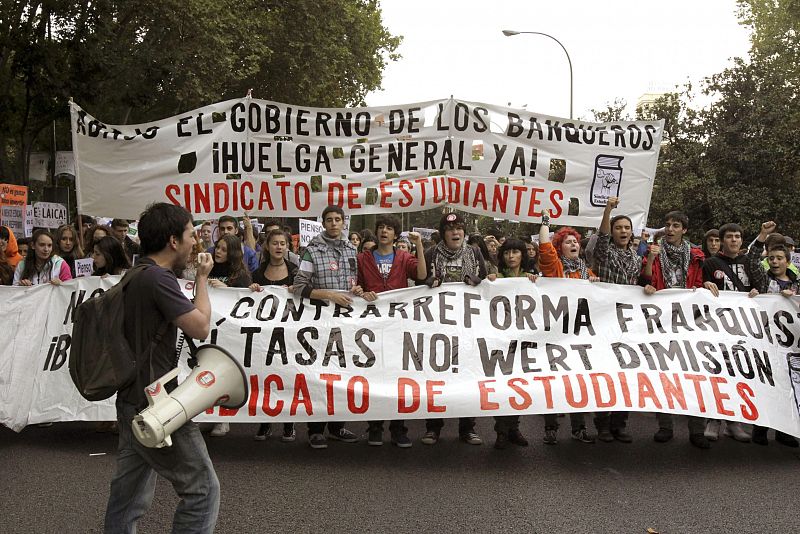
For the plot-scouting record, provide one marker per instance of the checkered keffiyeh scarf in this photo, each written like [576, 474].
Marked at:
[571, 266]
[464, 255]
[619, 265]
[675, 263]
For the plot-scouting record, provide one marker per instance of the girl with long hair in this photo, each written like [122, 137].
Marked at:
[66, 245]
[229, 269]
[275, 270]
[41, 265]
[109, 257]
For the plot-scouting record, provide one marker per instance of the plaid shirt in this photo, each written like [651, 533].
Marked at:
[616, 266]
[326, 266]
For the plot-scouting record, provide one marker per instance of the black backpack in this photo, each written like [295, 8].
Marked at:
[101, 361]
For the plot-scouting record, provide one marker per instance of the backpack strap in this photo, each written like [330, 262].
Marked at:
[737, 282]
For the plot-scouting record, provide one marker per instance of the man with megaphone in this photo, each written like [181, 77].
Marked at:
[154, 308]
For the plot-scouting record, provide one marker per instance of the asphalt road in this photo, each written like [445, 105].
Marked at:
[50, 483]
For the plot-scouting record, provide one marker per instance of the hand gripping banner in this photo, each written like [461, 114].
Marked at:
[503, 347]
[267, 158]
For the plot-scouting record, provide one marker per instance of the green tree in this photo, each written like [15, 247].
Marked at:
[129, 62]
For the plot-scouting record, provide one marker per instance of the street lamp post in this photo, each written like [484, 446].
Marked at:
[509, 33]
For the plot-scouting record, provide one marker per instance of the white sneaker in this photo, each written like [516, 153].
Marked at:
[220, 429]
[712, 430]
[736, 431]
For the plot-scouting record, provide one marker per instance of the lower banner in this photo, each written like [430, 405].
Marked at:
[501, 348]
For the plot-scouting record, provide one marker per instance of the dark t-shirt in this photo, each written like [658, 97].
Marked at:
[152, 299]
[713, 272]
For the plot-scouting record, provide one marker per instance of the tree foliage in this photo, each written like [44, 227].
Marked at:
[129, 62]
[737, 160]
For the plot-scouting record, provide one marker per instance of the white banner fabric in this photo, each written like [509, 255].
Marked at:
[271, 159]
[504, 347]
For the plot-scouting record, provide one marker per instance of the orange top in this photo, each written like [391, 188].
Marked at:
[12, 250]
[550, 263]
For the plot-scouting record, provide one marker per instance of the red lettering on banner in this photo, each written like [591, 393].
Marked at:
[518, 189]
[221, 200]
[264, 197]
[283, 185]
[430, 389]
[548, 390]
[408, 199]
[202, 200]
[626, 392]
[171, 191]
[422, 182]
[402, 386]
[532, 211]
[228, 412]
[598, 396]
[253, 401]
[673, 390]
[352, 196]
[268, 381]
[486, 404]
[696, 379]
[351, 395]
[247, 203]
[385, 194]
[646, 391]
[301, 396]
[335, 187]
[556, 202]
[500, 198]
[302, 196]
[570, 395]
[330, 379]
[749, 410]
[527, 401]
[720, 397]
[480, 197]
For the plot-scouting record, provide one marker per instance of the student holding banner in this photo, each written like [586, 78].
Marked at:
[512, 259]
[383, 269]
[561, 259]
[328, 270]
[41, 265]
[453, 260]
[675, 263]
[275, 270]
[66, 245]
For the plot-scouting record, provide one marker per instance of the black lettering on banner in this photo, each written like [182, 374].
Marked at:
[525, 306]
[703, 319]
[741, 358]
[244, 301]
[372, 310]
[444, 307]
[58, 353]
[679, 319]
[422, 305]
[335, 347]
[311, 353]
[412, 352]
[622, 320]
[582, 352]
[526, 360]
[277, 346]
[366, 351]
[652, 318]
[342, 311]
[273, 309]
[75, 299]
[556, 354]
[398, 308]
[433, 358]
[673, 353]
[248, 332]
[551, 312]
[729, 322]
[469, 309]
[296, 313]
[689, 352]
[632, 361]
[505, 315]
[711, 364]
[582, 318]
[492, 360]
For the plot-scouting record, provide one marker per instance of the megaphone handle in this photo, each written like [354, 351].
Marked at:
[192, 350]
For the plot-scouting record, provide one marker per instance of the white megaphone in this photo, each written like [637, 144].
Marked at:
[217, 380]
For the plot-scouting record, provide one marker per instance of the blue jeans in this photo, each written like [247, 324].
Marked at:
[185, 464]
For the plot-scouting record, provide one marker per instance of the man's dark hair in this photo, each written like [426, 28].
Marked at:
[678, 216]
[116, 223]
[390, 221]
[620, 217]
[273, 222]
[228, 218]
[332, 209]
[729, 228]
[497, 233]
[158, 223]
[781, 248]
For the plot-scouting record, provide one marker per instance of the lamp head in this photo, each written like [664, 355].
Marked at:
[509, 33]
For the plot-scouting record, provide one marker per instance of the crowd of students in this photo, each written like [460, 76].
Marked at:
[338, 268]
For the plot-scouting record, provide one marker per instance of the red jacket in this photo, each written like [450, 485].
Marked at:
[694, 278]
[404, 267]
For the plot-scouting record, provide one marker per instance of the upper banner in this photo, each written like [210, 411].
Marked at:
[266, 158]
[501, 348]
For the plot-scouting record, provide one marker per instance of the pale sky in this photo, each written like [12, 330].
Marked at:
[619, 49]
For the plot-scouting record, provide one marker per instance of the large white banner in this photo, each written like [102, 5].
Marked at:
[269, 159]
[504, 347]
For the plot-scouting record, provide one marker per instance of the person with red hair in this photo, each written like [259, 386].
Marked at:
[561, 259]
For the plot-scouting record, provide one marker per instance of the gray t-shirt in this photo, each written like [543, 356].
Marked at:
[152, 299]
